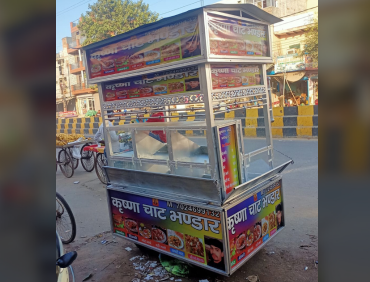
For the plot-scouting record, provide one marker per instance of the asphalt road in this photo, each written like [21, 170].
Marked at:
[87, 200]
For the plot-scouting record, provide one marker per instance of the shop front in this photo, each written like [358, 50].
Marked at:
[294, 81]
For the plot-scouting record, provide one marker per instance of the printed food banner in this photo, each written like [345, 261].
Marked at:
[186, 231]
[161, 83]
[228, 148]
[170, 43]
[232, 37]
[254, 221]
[230, 76]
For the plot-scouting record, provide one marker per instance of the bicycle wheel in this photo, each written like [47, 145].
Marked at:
[87, 159]
[65, 163]
[65, 221]
[99, 163]
[75, 161]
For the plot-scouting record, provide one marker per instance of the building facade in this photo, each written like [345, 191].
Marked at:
[65, 101]
[294, 78]
[86, 96]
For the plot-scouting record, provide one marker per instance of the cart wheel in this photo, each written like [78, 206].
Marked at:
[75, 161]
[99, 163]
[65, 163]
[87, 159]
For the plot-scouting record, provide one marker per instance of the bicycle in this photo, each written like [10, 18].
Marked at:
[65, 221]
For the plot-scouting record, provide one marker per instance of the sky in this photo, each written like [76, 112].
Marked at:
[70, 10]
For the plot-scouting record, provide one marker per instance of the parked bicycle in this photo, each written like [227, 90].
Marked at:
[65, 221]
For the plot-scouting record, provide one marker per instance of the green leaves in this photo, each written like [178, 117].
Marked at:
[107, 18]
[311, 42]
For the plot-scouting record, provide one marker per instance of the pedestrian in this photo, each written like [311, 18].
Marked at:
[99, 136]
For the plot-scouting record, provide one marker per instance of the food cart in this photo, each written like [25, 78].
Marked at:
[201, 192]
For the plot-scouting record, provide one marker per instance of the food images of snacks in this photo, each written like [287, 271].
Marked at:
[232, 247]
[238, 79]
[160, 88]
[214, 82]
[121, 94]
[121, 61]
[176, 86]
[107, 64]
[95, 68]
[257, 231]
[151, 55]
[241, 46]
[136, 59]
[131, 225]
[223, 80]
[214, 44]
[158, 235]
[133, 91]
[145, 232]
[265, 226]
[272, 220]
[231, 79]
[248, 46]
[223, 44]
[145, 90]
[241, 241]
[233, 45]
[245, 79]
[194, 245]
[175, 241]
[110, 95]
[257, 46]
[170, 50]
[118, 219]
[250, 238]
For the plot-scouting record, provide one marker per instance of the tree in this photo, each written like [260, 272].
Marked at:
[108, 18]
[311, 42]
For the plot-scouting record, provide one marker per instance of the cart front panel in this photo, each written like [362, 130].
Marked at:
[253, 221]
[184, 231]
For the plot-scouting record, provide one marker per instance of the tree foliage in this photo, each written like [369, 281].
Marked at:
[107, 18]
[311, 42]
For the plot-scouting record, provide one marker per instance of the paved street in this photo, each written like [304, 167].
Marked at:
[89, 205]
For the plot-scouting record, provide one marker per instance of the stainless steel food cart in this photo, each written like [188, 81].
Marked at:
[193, 186]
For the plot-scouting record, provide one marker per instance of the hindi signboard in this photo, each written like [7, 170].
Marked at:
[160, 83]
[163, 45]
[234, 37]
[176, 228]
[254, 221]
[230, 76]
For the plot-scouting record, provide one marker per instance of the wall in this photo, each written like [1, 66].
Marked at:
[290, 122]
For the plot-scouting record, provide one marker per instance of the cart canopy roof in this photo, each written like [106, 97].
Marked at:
[252, 10]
